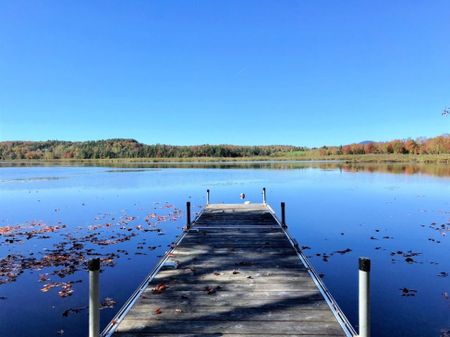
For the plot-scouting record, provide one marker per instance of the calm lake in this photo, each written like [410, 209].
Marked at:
[54, 218]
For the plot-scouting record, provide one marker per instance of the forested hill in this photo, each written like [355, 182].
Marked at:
[129, 148]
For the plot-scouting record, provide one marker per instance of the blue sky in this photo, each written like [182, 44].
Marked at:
[241, 72]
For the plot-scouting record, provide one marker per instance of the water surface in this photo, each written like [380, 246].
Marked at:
[398, 215]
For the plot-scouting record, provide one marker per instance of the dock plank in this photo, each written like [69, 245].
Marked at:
[237, 275]
[232, 327]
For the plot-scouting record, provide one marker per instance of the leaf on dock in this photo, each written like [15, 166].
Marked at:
[160, 288]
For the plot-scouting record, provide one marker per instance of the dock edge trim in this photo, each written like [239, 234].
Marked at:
[337, 311]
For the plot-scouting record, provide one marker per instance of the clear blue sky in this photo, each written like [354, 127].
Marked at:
[241, 72]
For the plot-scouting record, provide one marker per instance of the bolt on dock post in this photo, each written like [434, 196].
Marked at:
[94, 300]
[364, 297]
[264, 195]
[188, 214]
[207, 197]
[283, 214]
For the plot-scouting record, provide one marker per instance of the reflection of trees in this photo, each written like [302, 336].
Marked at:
[409, 169]
[439, 170]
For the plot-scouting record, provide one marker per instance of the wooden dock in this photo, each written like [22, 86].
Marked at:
[238, 273]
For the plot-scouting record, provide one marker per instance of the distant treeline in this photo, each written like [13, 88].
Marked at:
[435, 145]
[129, 148]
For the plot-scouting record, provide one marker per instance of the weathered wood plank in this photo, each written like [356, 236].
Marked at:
[205, 296]
[236, 314]
[224, 279]
[243, 260]
[247, 251]
[271, 308]
[237, 275]
[234, 275]
[236, 327]
[237, 235]
[237, 231]
[303, 284]
[305, 303]
[239, 245]
[246, 237]
[153, 334]
[244, 264]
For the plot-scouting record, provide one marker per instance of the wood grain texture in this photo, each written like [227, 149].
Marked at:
[237, 275]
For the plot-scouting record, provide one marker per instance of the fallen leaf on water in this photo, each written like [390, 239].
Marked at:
[66, 290]
[158, 311]
[43, 277]
[344, 251]
[49, 286]
[408, 292]
[107, 303]
[70, 311]
[445, 333]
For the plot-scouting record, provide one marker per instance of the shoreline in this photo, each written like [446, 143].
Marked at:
[373, 159]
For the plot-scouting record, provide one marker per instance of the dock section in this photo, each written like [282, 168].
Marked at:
[234, 272]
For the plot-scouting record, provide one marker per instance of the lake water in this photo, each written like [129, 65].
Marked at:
[52, 219]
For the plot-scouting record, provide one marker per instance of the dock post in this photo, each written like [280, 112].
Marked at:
[207, 197]
[264, 195]
[94, 300]
[364, 297]
[283, 214]
[188, 214]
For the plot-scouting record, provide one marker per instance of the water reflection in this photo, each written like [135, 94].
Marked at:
[396, 214]
[439, 170]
